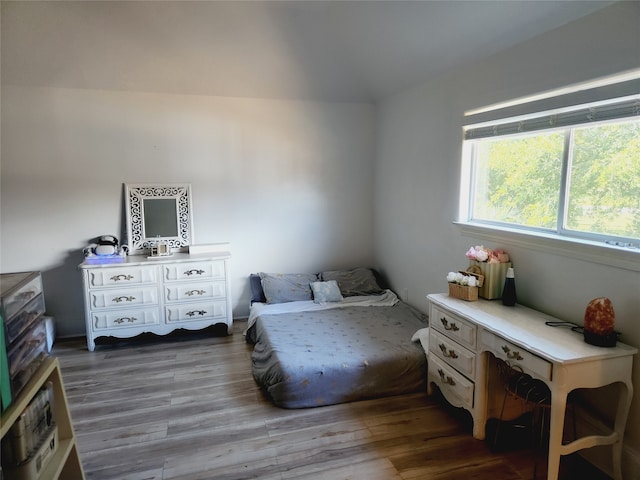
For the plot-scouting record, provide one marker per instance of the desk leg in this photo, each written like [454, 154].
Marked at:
[556, 427]
[624, 403]
[481, 396]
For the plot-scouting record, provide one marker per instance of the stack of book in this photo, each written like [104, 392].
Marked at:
[32, 440]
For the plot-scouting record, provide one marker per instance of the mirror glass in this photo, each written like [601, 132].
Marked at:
[160, 217]
[158, 212]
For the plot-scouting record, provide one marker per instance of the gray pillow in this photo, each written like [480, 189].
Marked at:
[358, 281]
[287, 287]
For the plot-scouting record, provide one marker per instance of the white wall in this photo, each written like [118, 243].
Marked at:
[287, 183]
[418, 167]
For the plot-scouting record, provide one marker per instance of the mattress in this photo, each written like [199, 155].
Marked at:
[309, 355]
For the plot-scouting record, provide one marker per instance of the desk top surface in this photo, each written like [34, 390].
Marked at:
[526, 327]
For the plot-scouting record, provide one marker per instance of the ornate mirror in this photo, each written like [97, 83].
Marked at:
[158, 213]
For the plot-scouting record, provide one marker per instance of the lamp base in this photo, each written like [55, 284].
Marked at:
[601, 340]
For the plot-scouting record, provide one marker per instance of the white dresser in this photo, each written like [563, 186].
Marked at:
[157, 295]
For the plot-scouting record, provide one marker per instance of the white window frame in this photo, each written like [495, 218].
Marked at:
[585, 247]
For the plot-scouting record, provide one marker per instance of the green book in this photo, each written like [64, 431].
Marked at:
[5, 381]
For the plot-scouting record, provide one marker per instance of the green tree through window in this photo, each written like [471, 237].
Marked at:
[604, 189]
[519, 180]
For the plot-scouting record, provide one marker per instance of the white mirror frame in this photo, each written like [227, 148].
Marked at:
[136, 194]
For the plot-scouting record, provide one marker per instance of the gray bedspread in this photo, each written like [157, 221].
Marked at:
[322, 357]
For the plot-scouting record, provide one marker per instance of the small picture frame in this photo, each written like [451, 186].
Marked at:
[159, 249]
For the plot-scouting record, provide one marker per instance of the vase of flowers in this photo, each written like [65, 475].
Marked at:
[493, 265]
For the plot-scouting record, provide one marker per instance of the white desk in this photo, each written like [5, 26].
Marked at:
[464, 333]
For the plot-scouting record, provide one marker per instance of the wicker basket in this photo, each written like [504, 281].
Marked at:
[465, 292]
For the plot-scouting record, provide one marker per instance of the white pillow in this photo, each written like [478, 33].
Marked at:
[324, 292]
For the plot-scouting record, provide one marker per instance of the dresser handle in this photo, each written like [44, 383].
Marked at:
[450, 353]
[194, 271]
[196, 312]
[124, 319]
[445, 379]
[512, 355]
[115, 278]
[194, 292]
[124, 299]
[452, 327]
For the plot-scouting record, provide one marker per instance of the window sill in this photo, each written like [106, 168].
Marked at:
[619, 257]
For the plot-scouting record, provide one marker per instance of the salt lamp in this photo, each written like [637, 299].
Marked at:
[599, 319]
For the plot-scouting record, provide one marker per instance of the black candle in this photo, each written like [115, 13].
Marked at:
[509, 291]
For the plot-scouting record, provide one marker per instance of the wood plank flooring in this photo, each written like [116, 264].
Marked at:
[186, 407]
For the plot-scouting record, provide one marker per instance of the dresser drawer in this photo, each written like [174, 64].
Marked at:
[455, 387]
[106, 277]
[189, 312]
[25, 318]
[453, 327]
[453, 353]
[122, 298]
[124, 318]
[176, 292]
[516, 355]
[27, 347]
[13, 302]
[193, 271]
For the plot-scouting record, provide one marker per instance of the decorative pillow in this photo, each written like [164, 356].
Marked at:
[358, 281]
[287, 287]
[324, 292]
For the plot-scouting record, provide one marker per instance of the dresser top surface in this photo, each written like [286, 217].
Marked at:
[136, 260]
[527, 327]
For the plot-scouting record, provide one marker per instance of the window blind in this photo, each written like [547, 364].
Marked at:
[605, 102]
[623, 108]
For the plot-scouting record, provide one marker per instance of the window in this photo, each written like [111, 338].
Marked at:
[572, 172]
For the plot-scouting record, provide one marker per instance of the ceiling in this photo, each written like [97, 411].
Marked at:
[353, 51]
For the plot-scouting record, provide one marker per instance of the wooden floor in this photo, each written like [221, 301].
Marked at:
[186, 407]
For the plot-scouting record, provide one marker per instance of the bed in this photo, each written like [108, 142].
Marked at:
[333, 337]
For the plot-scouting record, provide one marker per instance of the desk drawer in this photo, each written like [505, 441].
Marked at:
[453, 353]
[516, 355]
[453, 327]
[454, 386]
